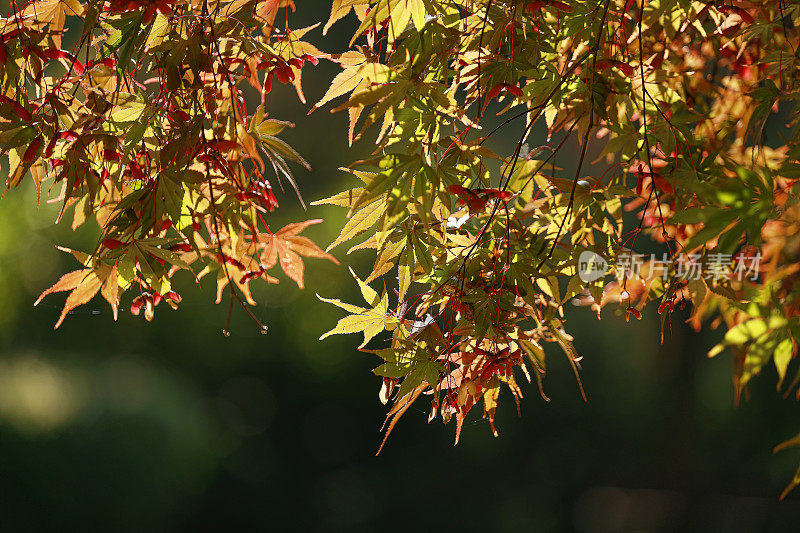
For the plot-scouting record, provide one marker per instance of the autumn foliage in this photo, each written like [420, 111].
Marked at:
[133, 113]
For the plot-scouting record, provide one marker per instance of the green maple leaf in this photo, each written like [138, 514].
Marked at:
[371, 321]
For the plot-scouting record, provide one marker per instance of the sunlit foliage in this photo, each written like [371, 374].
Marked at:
[143, 125]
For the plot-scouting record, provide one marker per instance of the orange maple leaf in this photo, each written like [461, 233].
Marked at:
[287, 246]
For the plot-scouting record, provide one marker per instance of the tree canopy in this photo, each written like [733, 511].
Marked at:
[674, 120]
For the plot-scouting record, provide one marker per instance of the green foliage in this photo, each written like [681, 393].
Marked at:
[152, 136]
[676, 95]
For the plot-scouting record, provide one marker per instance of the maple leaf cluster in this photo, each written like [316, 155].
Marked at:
[143, 126]
[676, 98]
[152, 137]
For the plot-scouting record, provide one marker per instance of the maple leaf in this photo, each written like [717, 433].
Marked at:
[54, 13]
[361, 221]
[371, 321]
[234, 270]
[84, 284]
[238, 266]
[287, 246]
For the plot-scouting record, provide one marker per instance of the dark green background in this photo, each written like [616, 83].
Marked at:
[170, 426]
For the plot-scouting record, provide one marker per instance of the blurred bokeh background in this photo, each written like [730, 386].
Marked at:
[171, 426]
